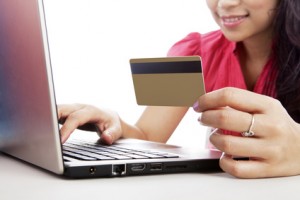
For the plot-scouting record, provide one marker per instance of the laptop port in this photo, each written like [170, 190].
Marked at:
[118, 170]
[138, 167]
[92, 170]
[156, 166]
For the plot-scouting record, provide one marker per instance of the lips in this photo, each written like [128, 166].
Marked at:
[232, 21]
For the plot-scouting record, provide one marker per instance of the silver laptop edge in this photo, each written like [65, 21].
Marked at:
[59, 166]
[29, 132]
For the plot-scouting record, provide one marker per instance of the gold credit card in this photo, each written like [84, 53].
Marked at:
[167, 81]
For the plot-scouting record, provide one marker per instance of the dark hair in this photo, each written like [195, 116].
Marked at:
[286, 52]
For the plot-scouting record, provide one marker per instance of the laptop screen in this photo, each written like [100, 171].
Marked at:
[28, 122]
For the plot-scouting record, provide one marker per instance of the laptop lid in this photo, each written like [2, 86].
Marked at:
[28, 119]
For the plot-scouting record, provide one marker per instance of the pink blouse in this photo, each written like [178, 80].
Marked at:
[221, 67]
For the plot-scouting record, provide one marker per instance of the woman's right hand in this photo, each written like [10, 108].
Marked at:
[73, 116]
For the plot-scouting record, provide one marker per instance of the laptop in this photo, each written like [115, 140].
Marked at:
[29, 128]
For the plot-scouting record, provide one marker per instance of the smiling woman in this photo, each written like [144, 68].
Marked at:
[91, 42]
[237, 23]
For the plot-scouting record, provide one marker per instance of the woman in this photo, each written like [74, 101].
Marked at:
[252, 77]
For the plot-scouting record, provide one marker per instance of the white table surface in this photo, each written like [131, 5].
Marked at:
[23, 181]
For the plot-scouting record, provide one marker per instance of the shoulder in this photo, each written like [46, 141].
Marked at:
[198, 44]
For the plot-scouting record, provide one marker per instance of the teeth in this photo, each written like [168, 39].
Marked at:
[232, 19]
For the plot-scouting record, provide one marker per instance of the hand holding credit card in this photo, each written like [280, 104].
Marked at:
[167, 81]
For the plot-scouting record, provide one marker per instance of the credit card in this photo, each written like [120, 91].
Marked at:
[167, 81]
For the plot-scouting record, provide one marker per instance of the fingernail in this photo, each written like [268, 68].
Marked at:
[109, 137]
[64, 138]
[200, 121]
[196, 106]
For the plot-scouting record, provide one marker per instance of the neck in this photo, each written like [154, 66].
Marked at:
[253, 55]
[258, 49]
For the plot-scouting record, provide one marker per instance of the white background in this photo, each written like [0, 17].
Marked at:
[91, 42]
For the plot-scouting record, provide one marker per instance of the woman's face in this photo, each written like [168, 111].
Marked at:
[243, 19]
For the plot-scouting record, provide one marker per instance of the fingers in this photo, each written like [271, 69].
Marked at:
[230, 119]
[266, 159]
[274, 131]
[232, 109]
[65, 110]
[245, 168]
[235, 98]
[75, 116]
[109, 135]
[241, 146]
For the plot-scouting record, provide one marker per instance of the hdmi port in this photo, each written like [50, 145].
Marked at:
[156, 166]
[138, 167]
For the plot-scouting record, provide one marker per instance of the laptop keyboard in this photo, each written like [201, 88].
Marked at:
[90, 151]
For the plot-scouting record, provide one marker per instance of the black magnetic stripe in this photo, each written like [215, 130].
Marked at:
[166, 67]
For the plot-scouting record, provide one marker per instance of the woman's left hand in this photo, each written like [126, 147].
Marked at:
[273, 151]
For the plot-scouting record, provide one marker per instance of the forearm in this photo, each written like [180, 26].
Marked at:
[155, 124]
[132, 131]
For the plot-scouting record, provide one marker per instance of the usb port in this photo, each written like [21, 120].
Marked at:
[156, 166]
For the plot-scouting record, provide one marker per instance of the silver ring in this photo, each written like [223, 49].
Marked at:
[249, 133]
